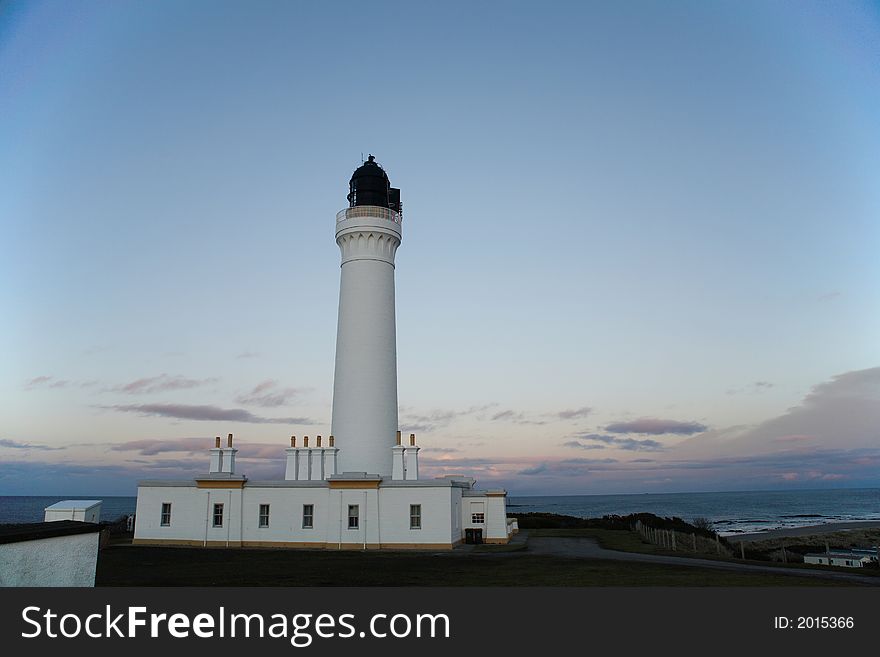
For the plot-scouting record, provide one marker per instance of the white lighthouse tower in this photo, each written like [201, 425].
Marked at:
[368, 233]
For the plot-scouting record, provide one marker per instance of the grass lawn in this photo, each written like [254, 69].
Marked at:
[160, 566]
[617, 539]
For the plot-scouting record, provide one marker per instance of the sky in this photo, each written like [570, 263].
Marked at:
[639, 254]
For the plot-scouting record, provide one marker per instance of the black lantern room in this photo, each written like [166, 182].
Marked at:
[369, 185]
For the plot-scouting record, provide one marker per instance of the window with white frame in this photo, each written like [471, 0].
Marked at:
[308, 516]
[478, 513]
[415, 516]
[165, 520]
[264, 515]
[353, 516]
[218, 515]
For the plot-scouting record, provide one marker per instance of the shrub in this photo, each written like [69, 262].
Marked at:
[556, 521]
[701, 522]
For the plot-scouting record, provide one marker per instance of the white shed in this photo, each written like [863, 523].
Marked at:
[856, 558]
[81, 510]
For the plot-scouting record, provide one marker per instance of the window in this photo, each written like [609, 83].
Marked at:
[218, 515]
[264, 515]
[308, 516]
[353, 512]
[478, 518]
[415, 516]
[166, 514]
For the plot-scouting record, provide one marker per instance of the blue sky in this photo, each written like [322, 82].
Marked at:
[639, 253]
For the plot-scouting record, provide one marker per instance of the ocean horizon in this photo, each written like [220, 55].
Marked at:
[733, 512]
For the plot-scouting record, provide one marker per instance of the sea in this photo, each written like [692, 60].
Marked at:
[730, 513]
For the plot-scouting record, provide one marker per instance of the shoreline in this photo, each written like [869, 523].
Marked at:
[806, 530]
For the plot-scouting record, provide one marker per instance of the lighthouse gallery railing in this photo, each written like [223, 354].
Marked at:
[368, 211]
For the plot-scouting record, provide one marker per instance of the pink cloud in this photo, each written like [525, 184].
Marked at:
[161, 383]
[268, 394]
[45, 382]
[793, 439]
[202, 445]
[656, 427]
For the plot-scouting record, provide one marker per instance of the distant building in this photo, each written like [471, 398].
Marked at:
[854, 558]
[61, 553]
[361, 487]
[81, 510]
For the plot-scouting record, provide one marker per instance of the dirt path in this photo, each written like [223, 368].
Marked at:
[588, 548]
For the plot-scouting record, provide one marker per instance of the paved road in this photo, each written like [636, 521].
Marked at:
[588, 548]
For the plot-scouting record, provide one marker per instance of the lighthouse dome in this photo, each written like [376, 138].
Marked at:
[369, 185]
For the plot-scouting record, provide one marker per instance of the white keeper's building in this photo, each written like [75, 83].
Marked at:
[360, 488]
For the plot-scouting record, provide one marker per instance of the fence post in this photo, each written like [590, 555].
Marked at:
[742, 550]
[673, 540]
[717, 544]
[694, 536]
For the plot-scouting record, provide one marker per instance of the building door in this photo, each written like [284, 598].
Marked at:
[473, 536]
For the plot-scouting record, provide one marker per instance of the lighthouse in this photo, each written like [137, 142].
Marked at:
[360, 489]
[368, 232]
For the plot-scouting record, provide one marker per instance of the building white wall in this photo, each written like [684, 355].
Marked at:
[494, 508]
[57, 561]
[368, 530]
[230, 532]
[471, 504]
[437, 524]
[496, 518]
[285, 514]
[457, 514]
[384, 515]
[189, 513]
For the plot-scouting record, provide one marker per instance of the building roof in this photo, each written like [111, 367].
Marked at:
[354, 476]
[384, 482]
[34, 531]
[73, 505]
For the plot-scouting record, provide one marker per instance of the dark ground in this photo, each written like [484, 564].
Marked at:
[567, 551]
[126, 565]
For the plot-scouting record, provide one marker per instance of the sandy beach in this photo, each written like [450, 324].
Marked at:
[810, 530]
